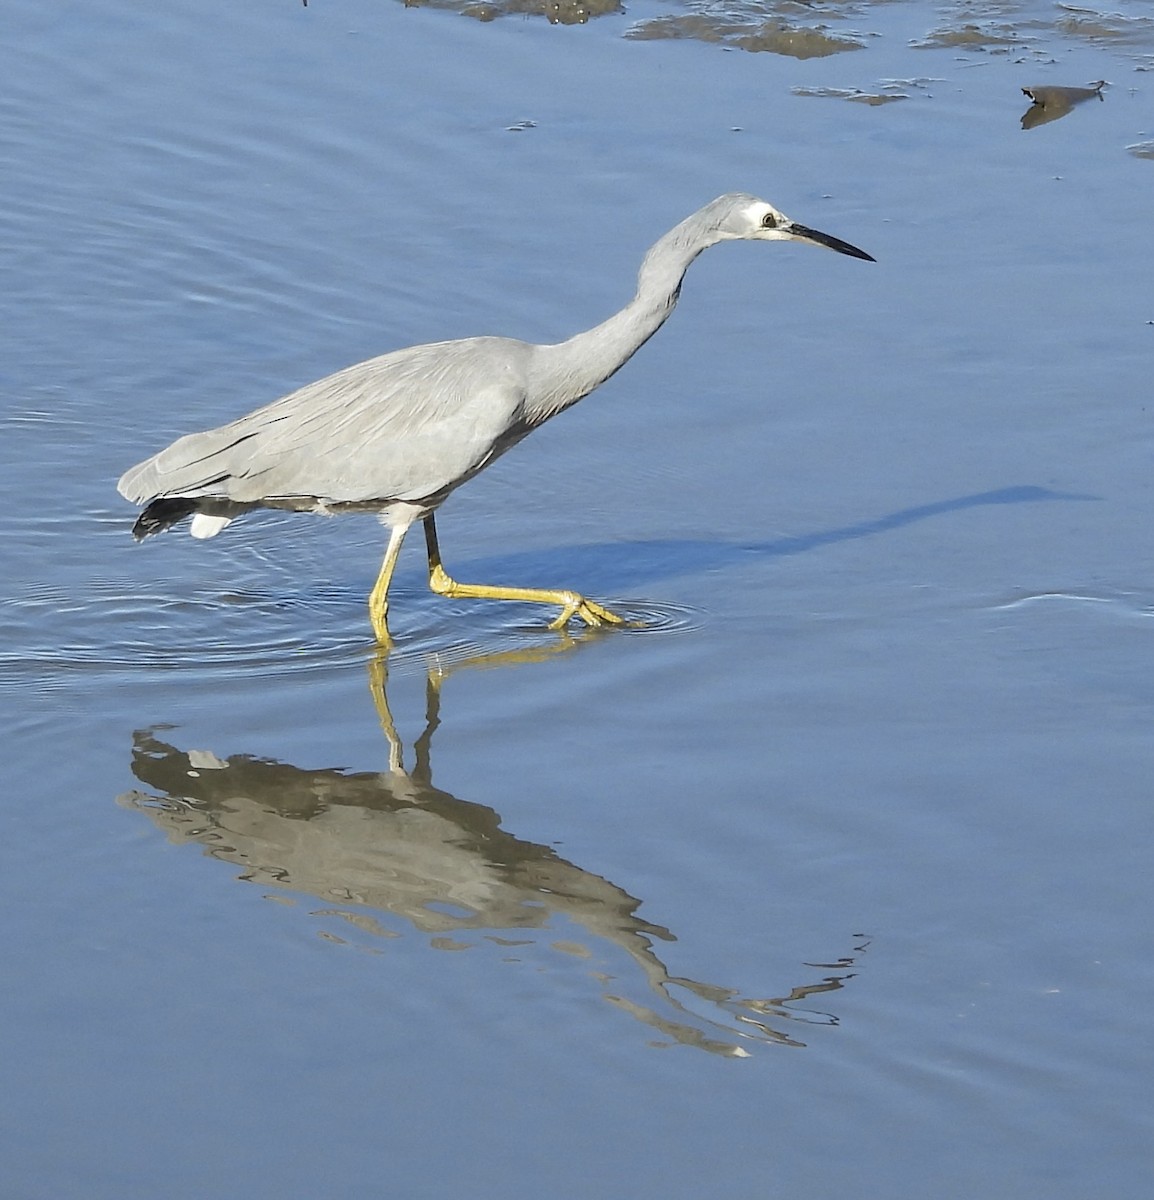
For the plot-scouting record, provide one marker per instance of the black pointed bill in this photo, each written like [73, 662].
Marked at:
[824, 239]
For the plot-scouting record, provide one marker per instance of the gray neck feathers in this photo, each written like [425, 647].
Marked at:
[562, 374]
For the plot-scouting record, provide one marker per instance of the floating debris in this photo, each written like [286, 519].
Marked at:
[990, 36]
[854, 94]
[746, 27]
[1064, 95]
[1050, 103]
[1104, 29]
[556, 12]
[921, 82]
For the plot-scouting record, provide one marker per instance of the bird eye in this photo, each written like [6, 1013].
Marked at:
[769, 221]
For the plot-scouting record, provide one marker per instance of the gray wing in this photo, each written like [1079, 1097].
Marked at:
[405, 426]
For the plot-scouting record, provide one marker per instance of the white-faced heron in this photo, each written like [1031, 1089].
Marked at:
[397, 434]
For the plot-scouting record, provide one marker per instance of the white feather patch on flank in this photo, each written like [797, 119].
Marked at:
[204, 526]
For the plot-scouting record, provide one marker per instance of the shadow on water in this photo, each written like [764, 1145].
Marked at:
[600, 566]
[390, 844]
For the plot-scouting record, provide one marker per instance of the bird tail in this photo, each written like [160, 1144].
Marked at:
[160, 514]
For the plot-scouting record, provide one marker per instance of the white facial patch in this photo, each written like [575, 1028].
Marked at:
[757, 213]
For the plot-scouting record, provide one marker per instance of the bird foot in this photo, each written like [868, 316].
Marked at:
[593, 614]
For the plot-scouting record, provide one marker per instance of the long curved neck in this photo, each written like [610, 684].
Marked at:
[569, 370]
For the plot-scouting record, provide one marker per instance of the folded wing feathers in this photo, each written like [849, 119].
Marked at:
[402, 426]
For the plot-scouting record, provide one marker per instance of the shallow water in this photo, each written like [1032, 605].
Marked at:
[834, 876]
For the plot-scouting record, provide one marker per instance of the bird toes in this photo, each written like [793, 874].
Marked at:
[593, 614]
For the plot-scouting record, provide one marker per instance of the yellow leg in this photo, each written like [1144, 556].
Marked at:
[379, 596]
[571, 604]
[378, 686]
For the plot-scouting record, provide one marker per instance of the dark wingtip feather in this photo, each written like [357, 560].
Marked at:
[160, 514]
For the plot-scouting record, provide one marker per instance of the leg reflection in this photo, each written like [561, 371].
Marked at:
[387, 853]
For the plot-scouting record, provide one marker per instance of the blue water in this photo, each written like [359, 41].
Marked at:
[834, 878]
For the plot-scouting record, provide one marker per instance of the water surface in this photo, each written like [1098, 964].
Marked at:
[832, 879]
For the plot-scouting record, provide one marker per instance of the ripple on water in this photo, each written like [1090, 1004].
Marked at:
[1122, 604]
[647, 616]
[113, 627]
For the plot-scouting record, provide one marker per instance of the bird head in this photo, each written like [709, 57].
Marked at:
[748, 218]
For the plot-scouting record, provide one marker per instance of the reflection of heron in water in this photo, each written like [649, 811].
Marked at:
[370, 845]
